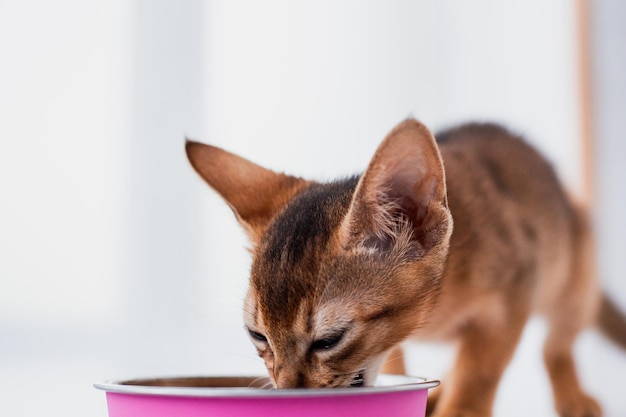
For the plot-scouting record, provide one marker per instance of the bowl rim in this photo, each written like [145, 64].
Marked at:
[385, 383]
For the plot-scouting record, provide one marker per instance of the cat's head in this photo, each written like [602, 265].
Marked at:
[341, 271]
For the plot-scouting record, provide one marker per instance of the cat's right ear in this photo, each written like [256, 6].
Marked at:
[255, 194]
[400, 201]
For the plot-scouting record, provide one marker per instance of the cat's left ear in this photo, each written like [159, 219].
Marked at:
[401, 198]
[255, 194]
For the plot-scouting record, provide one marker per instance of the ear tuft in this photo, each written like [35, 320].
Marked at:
[400, 202]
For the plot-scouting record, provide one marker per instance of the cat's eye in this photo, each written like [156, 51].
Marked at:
[257, 336]
[326, 343]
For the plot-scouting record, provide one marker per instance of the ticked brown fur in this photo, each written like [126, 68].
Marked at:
[458, 239]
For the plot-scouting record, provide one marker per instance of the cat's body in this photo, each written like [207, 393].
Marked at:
[343, 272]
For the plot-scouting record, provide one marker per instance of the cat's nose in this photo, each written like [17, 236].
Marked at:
[290, 379]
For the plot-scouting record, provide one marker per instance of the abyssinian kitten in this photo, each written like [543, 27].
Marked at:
[456, 239]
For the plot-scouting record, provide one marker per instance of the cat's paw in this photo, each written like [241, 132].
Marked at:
[582, 406]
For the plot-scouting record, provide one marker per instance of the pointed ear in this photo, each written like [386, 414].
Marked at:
[254, 193]
[400, 202]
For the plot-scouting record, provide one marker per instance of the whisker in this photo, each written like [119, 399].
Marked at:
[392, 359]
[256, 380]
[268, 386]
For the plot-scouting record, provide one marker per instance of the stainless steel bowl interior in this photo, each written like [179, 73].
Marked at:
[250, 386]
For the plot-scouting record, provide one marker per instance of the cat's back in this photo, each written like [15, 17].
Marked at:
[509, 208]
[488, 164]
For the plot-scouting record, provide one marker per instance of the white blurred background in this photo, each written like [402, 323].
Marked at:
[116, 260]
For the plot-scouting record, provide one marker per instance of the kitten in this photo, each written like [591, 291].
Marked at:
[343, 272]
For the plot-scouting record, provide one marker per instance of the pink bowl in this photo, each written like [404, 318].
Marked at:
[392, 395]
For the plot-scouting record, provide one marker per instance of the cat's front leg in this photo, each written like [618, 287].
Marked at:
[485, 349]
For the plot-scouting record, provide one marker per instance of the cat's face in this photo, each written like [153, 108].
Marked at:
[341, 271]
[337, 332]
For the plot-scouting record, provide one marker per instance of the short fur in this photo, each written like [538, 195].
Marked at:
[343, 272]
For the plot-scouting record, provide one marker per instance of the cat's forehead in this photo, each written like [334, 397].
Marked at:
[287, 262]
[306, 224]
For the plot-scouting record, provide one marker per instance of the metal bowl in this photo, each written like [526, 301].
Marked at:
[239, 396]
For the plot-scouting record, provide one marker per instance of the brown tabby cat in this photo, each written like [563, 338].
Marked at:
[343, 272]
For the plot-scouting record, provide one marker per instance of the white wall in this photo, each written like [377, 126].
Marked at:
[63, 159]
[64, 169]
[118, 261]
[609, 67]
